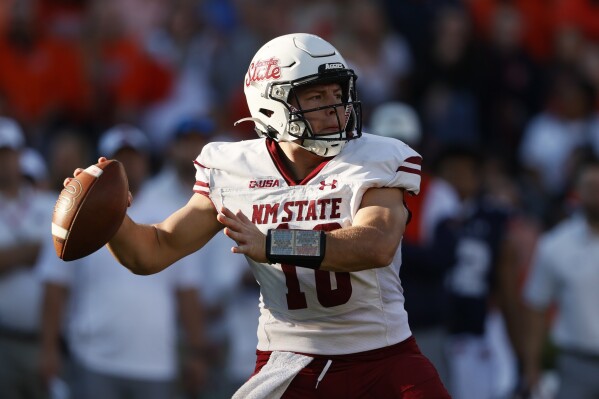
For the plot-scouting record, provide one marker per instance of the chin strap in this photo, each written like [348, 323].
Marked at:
[319, 147]
[323, 148]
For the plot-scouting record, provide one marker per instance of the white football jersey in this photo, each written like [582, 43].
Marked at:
[305, 310]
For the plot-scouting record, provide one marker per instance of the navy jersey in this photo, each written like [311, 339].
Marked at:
[469, 248]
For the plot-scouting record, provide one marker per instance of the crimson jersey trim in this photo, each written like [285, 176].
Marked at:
[416, 161]
[273, 150]
[201, 187]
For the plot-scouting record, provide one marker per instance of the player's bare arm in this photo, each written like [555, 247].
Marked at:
[148, 249]
[371, 242]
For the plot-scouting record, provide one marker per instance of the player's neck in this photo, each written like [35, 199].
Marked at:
[298, 160]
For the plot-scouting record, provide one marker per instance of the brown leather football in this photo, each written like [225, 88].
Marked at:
[90, 210]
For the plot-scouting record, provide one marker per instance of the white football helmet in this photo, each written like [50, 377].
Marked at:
[290, 61]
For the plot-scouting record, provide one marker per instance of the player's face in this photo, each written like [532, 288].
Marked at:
[324, 121]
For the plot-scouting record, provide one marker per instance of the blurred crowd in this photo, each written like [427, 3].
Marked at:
[499, 96]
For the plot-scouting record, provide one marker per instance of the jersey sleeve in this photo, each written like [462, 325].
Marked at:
[407, 170]
[202, 184]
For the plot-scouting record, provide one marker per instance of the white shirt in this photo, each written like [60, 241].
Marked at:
[217, 270]
[120, 323]
[549, 142]
[303, 310]
[24, 219]
[566, 271]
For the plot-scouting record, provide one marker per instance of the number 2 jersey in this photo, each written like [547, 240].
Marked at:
[305, 310]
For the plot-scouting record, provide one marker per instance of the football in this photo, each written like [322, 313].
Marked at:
[90, 210]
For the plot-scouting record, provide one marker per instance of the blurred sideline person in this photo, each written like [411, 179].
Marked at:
[422, 277]
[565, 272]
[25, 213]
[218, 272]
[121, 329]
[317, 209]
[437, 198]
[481, 281]
[66, 147]
[34, 168]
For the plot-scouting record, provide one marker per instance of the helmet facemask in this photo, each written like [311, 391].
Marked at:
[298, 127]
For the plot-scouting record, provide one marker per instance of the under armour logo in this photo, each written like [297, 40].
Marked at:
[324, 184]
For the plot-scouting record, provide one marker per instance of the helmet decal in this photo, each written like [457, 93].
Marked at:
[331, 66]
[263, 70]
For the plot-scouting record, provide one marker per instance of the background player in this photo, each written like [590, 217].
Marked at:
[475, 248]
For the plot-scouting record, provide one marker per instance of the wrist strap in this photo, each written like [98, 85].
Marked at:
[304, 248]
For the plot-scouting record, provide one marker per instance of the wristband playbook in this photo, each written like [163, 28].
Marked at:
[303, 248]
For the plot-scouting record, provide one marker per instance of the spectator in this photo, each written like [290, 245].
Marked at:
[444, 83]
[66, 148]
[256, 22]
[565, 274]
[553, 139]
[121, 329]
[379, 55]
[509, 86]
[589, 64]
[538, 23]
[413, 19]
[124, 78]
[218, 272]
[34, 168]
[25, 215]
[582, 14]
[186, 44]
[41, 77]
[63, 18]
[320, 17]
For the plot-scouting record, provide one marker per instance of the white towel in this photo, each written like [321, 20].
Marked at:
[274, 378]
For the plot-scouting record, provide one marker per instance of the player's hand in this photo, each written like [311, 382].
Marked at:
[79, 170]
[250, 241]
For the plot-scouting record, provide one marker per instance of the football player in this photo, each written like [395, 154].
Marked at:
[317, 208]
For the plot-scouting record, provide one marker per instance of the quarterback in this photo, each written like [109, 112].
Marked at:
[316, 206]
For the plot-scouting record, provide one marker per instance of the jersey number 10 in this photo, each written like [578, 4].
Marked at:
[327, 295]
